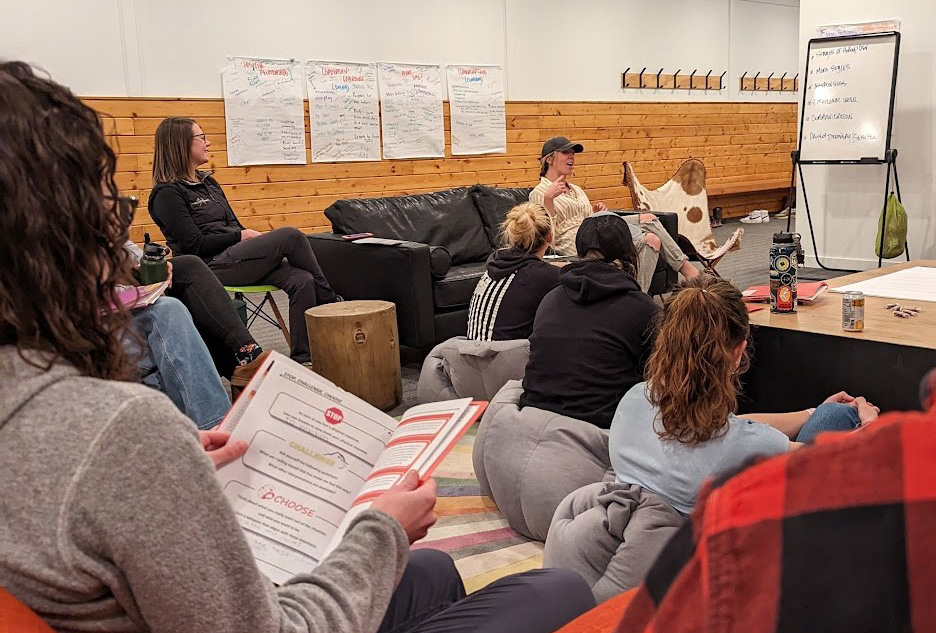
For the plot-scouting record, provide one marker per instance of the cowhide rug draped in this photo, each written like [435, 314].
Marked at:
[685, 195]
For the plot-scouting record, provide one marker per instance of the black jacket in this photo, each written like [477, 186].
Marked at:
[504, 302]
[195, 217]
[589, 344]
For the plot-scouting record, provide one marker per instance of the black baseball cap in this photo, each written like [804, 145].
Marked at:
[560, 144]
[606, 232]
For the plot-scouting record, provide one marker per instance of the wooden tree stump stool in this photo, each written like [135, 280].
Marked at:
[355, 345]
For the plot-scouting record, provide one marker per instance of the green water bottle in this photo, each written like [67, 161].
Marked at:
[154, 267]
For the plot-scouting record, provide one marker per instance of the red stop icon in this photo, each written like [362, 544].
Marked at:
[334, 415]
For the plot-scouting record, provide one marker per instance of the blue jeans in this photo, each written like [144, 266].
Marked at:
[830, 416]
[176, 361]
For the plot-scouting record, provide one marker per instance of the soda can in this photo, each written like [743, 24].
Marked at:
[853, 305]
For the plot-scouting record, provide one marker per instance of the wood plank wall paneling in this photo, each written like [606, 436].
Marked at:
[745, 147]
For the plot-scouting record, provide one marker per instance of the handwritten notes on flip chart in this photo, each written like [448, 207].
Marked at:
[263, 112]
[847, 102]
[476, 106]
[411, 111]
[343, 111]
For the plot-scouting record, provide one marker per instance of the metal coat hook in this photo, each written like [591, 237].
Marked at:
[641, 76]
[658, 79]
[706, 79]
[690, 78]
[722, 76]
[625, 77]
[794, 80]
[782, 80]
[675, 75]
[768, 81]
[755, 79]
[742, 79]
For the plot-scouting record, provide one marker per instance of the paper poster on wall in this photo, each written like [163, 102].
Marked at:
[476, 106]
[411, 111]
[263, 112]
[344, 113]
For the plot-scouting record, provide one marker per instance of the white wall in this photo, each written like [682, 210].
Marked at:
[79, 43]
[177, 47]
[762, 39]
[846, 200]
[417, 31]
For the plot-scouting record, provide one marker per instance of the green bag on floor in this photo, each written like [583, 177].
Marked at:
[895, 234]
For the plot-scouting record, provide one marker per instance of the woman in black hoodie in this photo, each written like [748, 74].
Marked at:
[191, 210]
[505, 300]
[590, 337]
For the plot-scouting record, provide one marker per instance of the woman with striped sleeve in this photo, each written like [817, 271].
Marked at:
[516, 280]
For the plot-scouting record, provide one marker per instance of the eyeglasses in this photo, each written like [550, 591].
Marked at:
[126, 209]
[201, 136]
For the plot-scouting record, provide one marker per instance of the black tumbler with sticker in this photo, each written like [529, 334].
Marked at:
[783, 264]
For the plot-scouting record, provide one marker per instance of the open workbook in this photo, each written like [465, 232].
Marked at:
[318, 456]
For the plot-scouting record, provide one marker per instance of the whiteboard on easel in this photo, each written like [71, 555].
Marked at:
[848, 98]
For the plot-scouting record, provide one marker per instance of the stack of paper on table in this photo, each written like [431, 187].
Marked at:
[806, 291]
[318, 456]
[917, 283]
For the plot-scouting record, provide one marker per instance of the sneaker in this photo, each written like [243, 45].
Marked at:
[783, 215]
[756, 217]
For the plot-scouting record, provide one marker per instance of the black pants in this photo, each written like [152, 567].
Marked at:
[281, 258]
[212, 310]
[431, 599]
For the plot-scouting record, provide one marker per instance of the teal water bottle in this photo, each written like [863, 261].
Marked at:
[154, 267]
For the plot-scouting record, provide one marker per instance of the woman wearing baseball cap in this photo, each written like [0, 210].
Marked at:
[589, 339]
[568, 205]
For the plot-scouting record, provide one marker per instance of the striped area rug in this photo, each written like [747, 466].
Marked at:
[471, 529]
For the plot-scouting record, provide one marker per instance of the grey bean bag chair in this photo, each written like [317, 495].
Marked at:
[610, 533]
[528, 460]
[462, 368]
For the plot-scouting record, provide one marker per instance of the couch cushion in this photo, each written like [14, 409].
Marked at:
[454, 290]
[493, 203]
[441, 218]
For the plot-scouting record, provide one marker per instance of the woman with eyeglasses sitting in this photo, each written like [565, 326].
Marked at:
[193, 213]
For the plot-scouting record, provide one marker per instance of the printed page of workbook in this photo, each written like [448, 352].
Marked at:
[311, 448]
[424, 437]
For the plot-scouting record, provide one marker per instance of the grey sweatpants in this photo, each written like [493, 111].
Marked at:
[647, 257]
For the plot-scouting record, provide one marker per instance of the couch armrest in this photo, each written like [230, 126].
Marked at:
[668, 219]
[399, 273]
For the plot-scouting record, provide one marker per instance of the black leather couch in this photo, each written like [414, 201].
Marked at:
[440, 243]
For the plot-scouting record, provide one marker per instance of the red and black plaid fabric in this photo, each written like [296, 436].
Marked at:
[837, 537]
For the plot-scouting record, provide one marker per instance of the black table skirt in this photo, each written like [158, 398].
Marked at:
[793, 370]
